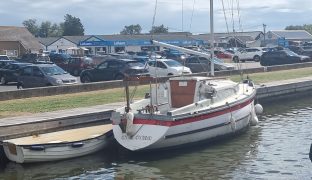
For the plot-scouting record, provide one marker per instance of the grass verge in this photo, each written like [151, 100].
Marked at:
[85, 99]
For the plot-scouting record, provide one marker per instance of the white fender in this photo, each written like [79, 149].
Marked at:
[254, 120]
[233, 123]
[130, 128]
[258, 109]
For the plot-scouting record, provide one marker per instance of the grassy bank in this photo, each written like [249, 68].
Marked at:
[85, 99]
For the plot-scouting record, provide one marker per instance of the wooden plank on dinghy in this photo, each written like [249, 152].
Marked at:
[71, 135]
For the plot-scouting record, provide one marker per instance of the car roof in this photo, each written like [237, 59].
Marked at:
[165, 60]
[7, 60]
[21, 63]
[43, 65]
[126, 60]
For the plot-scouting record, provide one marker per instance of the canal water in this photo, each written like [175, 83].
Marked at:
[275, 149]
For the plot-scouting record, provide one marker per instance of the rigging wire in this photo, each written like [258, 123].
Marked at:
[240, 28]
[192, 16]
[232, 13]
[154, 18]
[225, 18]
[239, 17]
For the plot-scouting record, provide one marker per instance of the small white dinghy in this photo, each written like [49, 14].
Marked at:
[57, 145]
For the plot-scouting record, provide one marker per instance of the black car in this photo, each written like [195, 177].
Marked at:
[281, 57]
[4, 57]
[59, 58]
[201, 64]
[113, 69]
[10, 72]
[302, 50]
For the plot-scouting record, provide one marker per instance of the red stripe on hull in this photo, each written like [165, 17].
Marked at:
[191, 119]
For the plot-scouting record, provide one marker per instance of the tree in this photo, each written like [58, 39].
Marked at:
[72, 26]
[307, 27]
[56, 30]
[44, 29]
[132, 29]
[31, 25]
[159, 29]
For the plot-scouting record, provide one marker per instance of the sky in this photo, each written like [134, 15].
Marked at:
[101, 17]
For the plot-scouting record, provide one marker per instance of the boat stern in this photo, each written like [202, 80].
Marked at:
[13, 153]
[136, 136]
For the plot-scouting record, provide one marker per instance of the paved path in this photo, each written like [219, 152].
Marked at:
[48, 116]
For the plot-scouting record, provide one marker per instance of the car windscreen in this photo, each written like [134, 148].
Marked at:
[135, 64]
[217, 60]
[307, 47]
[291, 53]
[4, 58]
[53, 70]
[172, 63]
[43, 58]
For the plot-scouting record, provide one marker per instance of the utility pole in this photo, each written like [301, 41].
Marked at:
[264, 27]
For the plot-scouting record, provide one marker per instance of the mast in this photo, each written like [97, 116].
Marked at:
[189, 51]
[212, 38]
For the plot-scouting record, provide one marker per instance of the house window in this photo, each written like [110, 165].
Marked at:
[11, 53]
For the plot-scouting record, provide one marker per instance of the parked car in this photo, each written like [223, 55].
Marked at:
[73, 65]
[10, 72]
[4, 57]
[174, 55]
[113, 69]
[35, 58]
[167, 67]
[302, 50]
[246, 54]
[141, 59]
[40, 75]
[59, 58]
[5, 62]
[281, 57]
[223, 54]
[77, 64]
[201, 64]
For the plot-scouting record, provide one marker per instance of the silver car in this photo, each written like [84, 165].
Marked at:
[40, 75]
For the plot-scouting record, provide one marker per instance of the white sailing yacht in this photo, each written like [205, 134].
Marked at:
[185, 110]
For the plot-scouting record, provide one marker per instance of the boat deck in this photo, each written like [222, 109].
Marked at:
[71, 135]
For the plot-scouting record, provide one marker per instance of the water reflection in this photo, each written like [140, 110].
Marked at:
[275, 149]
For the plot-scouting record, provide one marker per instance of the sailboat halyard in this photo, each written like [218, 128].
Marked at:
[189, 109]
